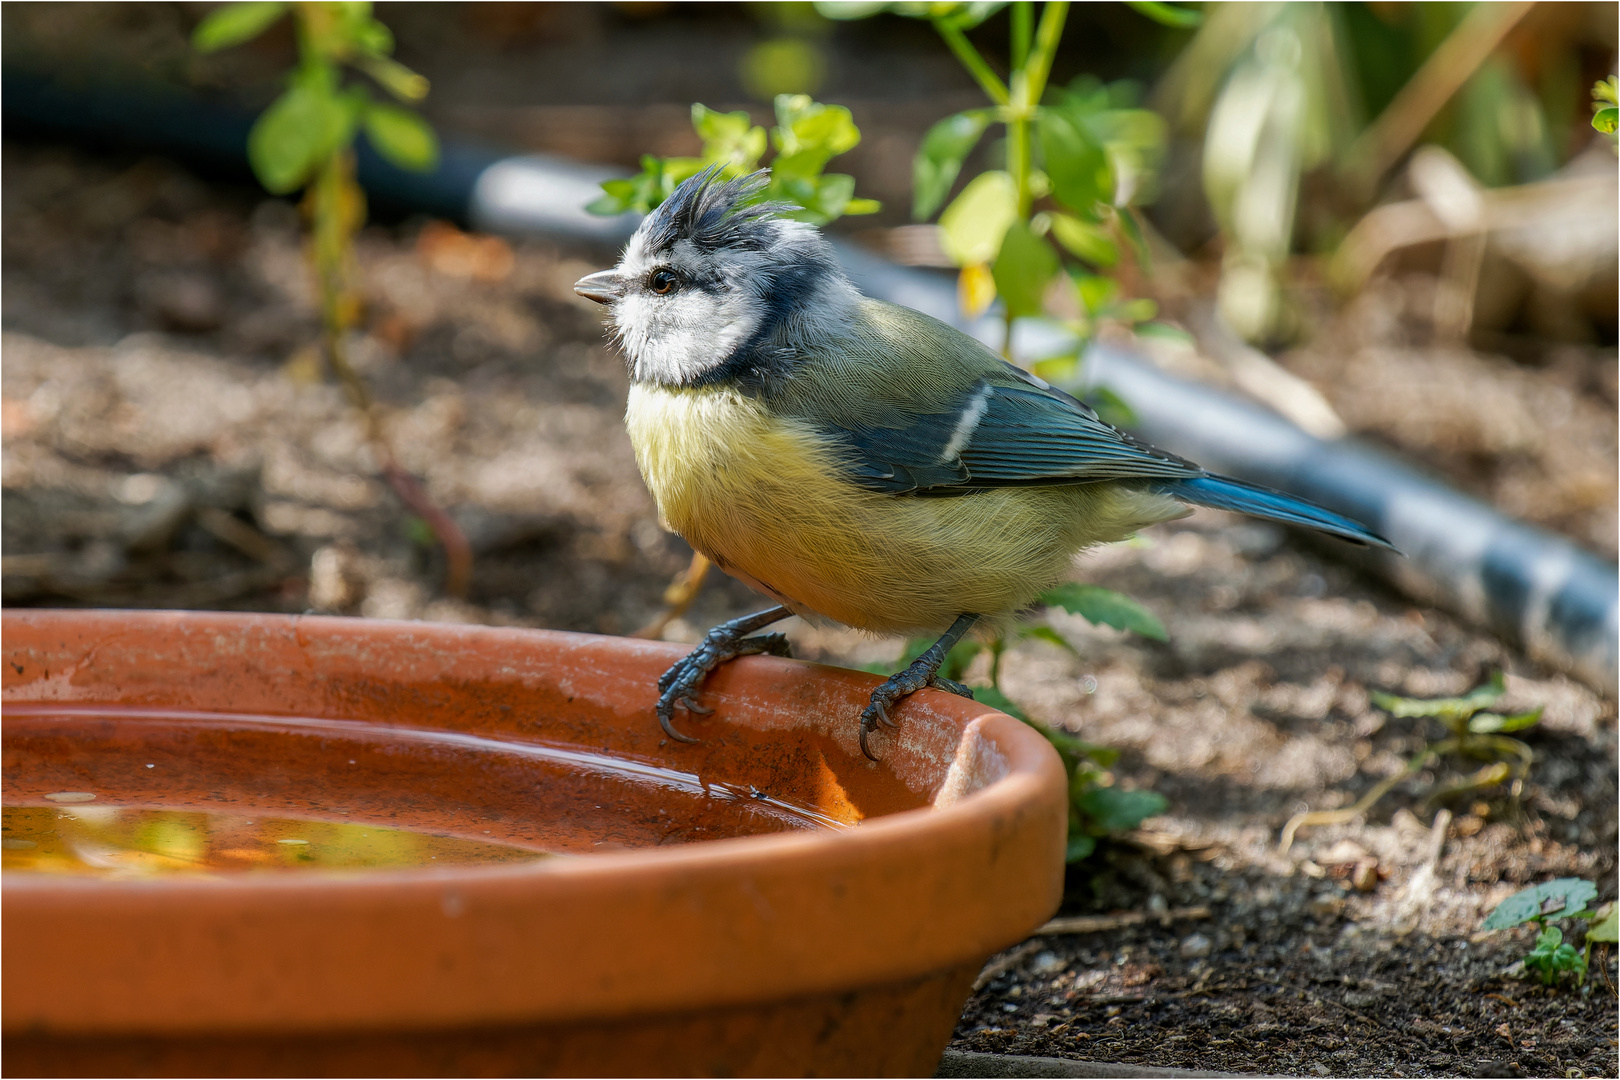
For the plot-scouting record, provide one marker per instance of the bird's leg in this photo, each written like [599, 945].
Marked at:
[725, 642]
[924, 671]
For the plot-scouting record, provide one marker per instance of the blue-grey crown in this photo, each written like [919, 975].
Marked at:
[715, 214]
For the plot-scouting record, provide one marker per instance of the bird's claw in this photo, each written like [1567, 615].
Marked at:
[922, 672]
[679, 685]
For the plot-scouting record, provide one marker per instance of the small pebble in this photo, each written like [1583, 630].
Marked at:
[1365, 875]
[1046, 962]
[1195, 947]
[1325, 906]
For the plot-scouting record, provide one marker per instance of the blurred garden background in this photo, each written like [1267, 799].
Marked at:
[1395, 223]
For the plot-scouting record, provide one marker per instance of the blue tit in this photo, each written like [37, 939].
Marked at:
[857, 461]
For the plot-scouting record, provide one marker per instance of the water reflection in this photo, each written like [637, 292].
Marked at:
[136, 842]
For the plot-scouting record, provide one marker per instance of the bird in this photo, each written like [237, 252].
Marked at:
[860, 462]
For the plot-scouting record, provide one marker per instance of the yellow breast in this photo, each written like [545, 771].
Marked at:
[763, 496]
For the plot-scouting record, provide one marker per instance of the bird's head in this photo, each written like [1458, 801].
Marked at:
[714, 287]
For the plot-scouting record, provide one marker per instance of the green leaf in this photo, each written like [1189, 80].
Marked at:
[1048, 635]
[1113, 809]
[1165, 332]
[370, 37]
[295, 134]
[1552, 957]
[1023, 268]
[1096, 292]
[971, 228]
[963, 14]
[1079, 846]
[1074, 749]
[1085, 240]
[1490, 723]
[1111, 407]
[396, 78]
[1133, 234]
[823, 198]
[729, 138]
[939, 159]
[1168, 14]
[1606, 119]
[1076, 165]
[232, 24]
[1104, 607]
[861, 206]
[989, 695]
[808, 133]
[402, 137]
[1606, 924]
[1571, 895]
[1453, 708]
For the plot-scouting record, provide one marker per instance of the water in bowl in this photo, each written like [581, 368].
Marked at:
[121, 841]
[165, 789]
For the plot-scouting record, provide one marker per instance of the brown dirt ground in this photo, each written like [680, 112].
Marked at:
[169, 442]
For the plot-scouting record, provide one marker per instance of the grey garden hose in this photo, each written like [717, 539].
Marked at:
[1540, 590]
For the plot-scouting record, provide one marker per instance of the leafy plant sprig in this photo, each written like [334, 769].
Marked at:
[1097, 808]
[305, 139]
[1077, 160]
[806, 136]
[1566, 898]
[1606, 108]
[1474, 733]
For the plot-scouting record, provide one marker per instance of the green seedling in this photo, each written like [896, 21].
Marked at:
[806, 137]
[1606, 108]
[1473, 733]
[305, 140]
[1566, 898]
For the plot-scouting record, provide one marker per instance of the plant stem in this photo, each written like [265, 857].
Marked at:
[1022, 27]
[1046, 43]
[678, 596]
[976, 65]
[338, 207]
[1363, 804]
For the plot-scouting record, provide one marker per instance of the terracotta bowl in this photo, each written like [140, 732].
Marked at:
[766, 902]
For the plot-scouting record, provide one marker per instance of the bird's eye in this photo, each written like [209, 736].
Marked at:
[661, 282]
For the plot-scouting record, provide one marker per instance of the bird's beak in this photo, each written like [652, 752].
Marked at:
[603, 286]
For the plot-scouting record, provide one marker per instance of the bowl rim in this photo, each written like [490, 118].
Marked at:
[479, 917]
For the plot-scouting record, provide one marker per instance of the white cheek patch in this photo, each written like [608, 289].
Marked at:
[674, 339]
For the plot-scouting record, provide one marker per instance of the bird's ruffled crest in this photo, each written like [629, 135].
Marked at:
[714, 213]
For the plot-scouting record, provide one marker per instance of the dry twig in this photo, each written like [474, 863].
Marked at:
[678, 597]
[1092, 924]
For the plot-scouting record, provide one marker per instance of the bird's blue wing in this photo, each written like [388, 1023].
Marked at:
[1006, 429]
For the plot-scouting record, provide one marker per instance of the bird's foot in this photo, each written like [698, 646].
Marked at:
[678, 685]
[924, 671]
[902, 685]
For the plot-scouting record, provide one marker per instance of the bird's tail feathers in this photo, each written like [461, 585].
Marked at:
[1225, 493]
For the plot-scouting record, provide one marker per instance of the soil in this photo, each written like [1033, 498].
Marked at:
[170, 442]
